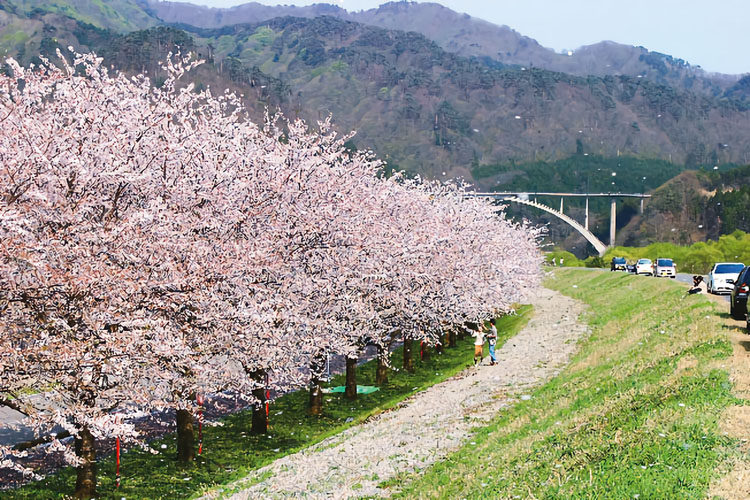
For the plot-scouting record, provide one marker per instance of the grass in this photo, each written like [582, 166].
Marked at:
[230, 453]
[635, 414]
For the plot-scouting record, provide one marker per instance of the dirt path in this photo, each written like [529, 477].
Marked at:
[431, 424]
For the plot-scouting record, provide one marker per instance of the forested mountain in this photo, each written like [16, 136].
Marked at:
[694, 206]
[471, 37]
[424, 109]
[432, 111]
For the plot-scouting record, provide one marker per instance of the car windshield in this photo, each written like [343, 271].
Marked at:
[644, 261]
[664, 262]
[619, 260]
[728, 268]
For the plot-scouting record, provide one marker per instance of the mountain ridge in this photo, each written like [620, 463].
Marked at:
[429, 110]
[470, 36]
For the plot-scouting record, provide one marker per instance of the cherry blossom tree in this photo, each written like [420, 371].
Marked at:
[156, 244]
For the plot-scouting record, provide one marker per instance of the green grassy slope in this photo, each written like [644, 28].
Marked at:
[635, 415]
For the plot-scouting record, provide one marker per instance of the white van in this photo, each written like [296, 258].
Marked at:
[665, 268]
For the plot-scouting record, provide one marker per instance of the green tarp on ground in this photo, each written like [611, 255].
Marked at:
[361, 389]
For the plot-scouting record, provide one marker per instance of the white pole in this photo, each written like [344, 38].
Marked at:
[586, 223]
[612, 222]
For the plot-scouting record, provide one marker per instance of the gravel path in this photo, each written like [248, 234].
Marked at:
[430, 425]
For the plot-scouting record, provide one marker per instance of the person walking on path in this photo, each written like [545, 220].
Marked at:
[478, 335]
[491, 340]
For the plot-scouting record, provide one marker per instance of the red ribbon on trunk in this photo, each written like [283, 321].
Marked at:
[268, 396]
[117, 470]
[199, 400]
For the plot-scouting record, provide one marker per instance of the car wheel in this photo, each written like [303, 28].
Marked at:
[734, 313]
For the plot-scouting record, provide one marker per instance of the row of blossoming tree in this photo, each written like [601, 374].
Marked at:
[156, 244]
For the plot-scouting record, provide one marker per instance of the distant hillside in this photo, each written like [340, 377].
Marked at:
[115, 15]
[420, 107]
[694, 206]
[472, 37]
[675, 214]
[431, 111]
[249, 13]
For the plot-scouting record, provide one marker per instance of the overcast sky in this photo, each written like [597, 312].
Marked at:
[711, 33]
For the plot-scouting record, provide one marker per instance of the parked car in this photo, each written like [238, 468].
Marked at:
[644, 266]
[722, 276]
[618, 264]
[738, 296]
[665, 268]
[630, 268]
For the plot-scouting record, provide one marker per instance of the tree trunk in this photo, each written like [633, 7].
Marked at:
[453, 340]
[260, 419]
[425, 351]
[316, 389]
[185, 437]
[408, 358]
[85, 447]
[460, 334]
[381, 372]
[351, 378]
[316, 397]
[440, 346]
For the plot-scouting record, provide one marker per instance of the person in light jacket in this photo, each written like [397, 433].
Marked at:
[491, 340]
[478, 335]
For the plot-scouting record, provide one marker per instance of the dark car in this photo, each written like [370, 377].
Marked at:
[618, 264]
[738, 295]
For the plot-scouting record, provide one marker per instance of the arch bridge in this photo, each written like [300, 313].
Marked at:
[529, 199]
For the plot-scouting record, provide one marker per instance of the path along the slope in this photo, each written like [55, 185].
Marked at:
[430, 425]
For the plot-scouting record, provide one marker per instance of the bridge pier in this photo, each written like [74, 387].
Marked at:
[586, 222]
[612, 221]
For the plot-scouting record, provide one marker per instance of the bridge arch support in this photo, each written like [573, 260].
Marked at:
[595, 242]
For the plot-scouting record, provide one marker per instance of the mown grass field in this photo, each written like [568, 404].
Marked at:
[230, 452]
[634, 416]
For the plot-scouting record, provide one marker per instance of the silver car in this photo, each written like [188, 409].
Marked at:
[644, 266]
[722, 276]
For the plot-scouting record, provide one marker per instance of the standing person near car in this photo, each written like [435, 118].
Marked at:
[478, 335]
[491, 340]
